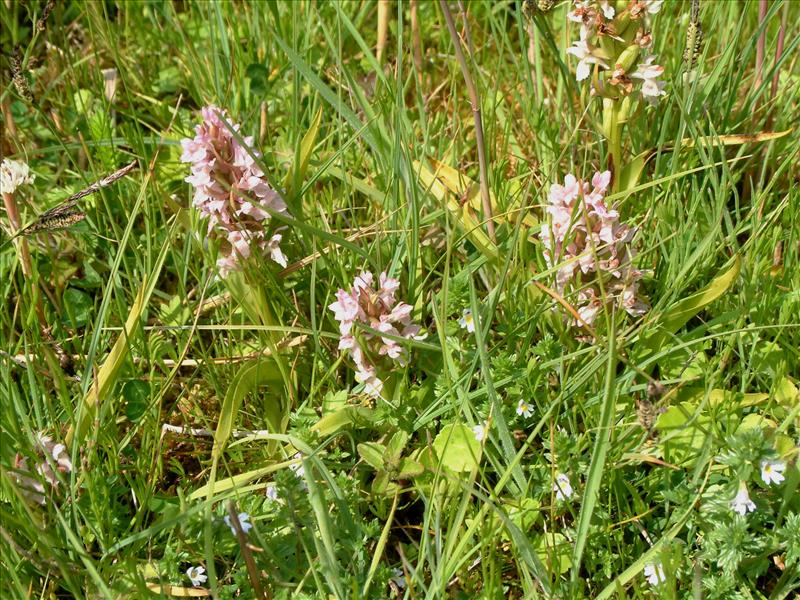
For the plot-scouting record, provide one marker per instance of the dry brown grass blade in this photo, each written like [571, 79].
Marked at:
[416, 39]
[247, 553]
[383, 27]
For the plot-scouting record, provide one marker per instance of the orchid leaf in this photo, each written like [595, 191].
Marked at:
[248, 379]
[679, 313]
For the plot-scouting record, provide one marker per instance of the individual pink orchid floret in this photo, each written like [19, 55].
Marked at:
[648, 73]
[378, 310]
[231, 190]
[587, 241]
[587, 55]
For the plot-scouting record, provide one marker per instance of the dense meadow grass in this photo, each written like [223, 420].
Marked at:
[579, 391]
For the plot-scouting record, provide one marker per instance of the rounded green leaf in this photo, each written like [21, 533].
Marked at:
[137, 397]
[457, 448]
[77, 306]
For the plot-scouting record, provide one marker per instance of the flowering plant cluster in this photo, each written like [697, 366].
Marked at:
[378, 310]
[615, 36]
[588, 242]
[230, 189]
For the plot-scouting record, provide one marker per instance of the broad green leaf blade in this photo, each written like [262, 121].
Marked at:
[679, 313]
[372, 453]
[349, 415]
[631, 173]
[457, 448]
[249, 377]
[396, 444]
[462, 215]
[294, 178]
[107, 375]
[597, 465]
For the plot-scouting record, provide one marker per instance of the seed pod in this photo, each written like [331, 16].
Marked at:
[529, 7]
[48, 8]
[628, 58]
[57, 218]
[15, 62]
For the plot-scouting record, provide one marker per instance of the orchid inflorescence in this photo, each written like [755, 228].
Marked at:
[615, 36]
[587, 241]
[231, 190]
[377, 310]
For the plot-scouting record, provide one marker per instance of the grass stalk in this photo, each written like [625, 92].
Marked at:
[486, 201]
[416, 39]
[762, 39]
[779, 49]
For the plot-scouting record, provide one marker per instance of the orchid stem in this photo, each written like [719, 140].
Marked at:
[612, 128]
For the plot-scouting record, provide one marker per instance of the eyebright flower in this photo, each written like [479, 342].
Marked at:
[467, 321]
[481, 431]
[231, 191]
[654, 574]
[272, 493]
[297, 468]
[197, 575]
[14, 173]
[52, 457]
[772, 471]
[244, 521]
[587, 241]
[399, 578]
[742, 503]
[378, 310]
[524, 409]
[562, 487]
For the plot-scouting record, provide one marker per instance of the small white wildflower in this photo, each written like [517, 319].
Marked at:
[524, 409]
[13, 173]
[467, 321]
[399, 578]
[654, 574]
[297, 468]
[742, 503]
[244, 521]
[481, 430]
[772, 471]
[272, 493]
[562, 487]
[196, 575]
